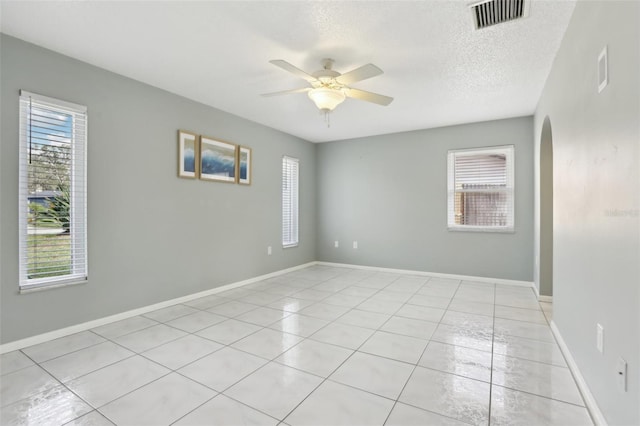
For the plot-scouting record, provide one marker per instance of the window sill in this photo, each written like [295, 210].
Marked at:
[284, 246]
[505, 230]
[43, 287]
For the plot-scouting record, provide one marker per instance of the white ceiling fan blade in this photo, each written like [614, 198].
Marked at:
[359, 74]
[368, 96]
[293, 70]
[286, 92]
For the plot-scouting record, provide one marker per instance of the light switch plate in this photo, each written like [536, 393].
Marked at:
[600, 338]
[603, 70]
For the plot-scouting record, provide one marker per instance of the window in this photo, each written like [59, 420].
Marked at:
[290, 168]
[480, 189]
[52, 192]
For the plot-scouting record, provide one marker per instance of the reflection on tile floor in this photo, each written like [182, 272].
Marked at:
[322, 345]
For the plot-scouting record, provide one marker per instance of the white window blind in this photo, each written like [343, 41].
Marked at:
[52, 192]
[481, 189]
[290, 168]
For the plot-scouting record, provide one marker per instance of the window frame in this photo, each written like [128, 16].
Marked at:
[79, 270]
[293, 230]
[509, 151]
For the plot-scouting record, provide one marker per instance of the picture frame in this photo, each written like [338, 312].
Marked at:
[218, 160]
[188, 154]
[244, 165]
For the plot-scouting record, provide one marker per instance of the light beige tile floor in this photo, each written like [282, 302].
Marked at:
[319, 346]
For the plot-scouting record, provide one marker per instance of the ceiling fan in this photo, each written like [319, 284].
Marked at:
[329, 88]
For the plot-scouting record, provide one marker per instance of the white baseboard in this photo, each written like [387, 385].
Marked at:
[41, 338]
[548, 299]
[589, 400]
[433, 274]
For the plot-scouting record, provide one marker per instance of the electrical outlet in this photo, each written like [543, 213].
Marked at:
[600, 338]
[621, 370]
[355, 244]
[336, 244]
[269, 250]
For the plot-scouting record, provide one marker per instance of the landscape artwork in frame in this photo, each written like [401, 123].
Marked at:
[187, 154]
[244, 165]
[217, 160]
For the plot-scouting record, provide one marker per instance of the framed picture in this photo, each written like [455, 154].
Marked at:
[187, 154]
[244, 165]
[218, 160]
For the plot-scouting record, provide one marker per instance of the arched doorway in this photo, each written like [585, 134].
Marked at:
[546, 209]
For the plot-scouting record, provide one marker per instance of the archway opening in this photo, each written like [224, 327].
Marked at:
[546, 210]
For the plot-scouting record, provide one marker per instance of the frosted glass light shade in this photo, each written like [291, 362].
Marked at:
[326, 99]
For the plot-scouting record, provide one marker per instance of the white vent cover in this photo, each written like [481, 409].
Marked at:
[492, 12]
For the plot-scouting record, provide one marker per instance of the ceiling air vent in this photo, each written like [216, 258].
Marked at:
[492, 12]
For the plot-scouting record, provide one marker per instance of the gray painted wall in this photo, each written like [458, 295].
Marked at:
[152, 236]
[596, 158]
[389, 193]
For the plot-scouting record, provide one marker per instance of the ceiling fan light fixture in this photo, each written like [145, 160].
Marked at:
[326, 99]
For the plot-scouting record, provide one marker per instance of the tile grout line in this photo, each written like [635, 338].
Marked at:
[324, 379]
[304, 338]
[140, 354]
[415, 367]
[260, 367]
[378, 329]
[346, 359]
[493, 338]
[94, 408]
[176, 370]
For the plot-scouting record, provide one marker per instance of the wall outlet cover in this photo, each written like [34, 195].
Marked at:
[621, 371]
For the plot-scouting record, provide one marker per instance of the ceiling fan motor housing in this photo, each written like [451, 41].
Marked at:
[326, 78]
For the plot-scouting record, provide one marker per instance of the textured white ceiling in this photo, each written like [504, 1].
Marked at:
[437, 67]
